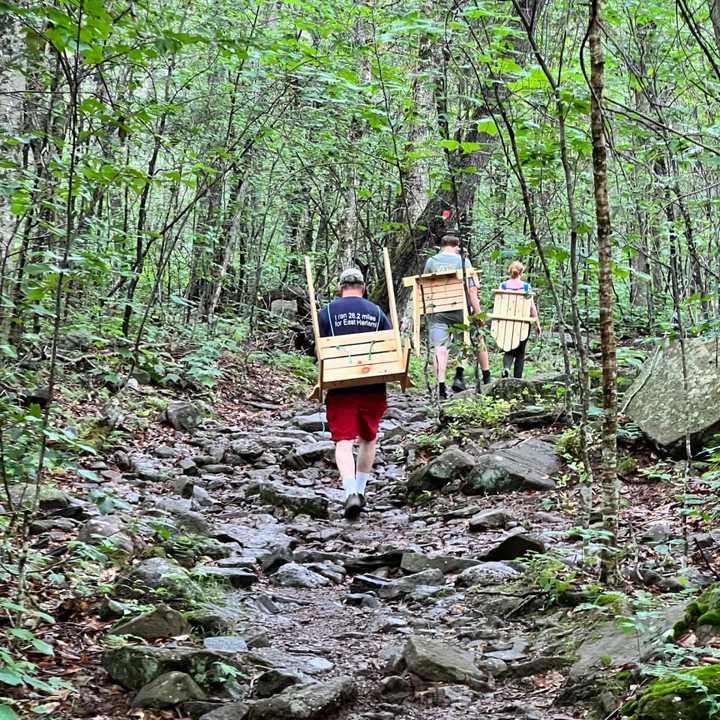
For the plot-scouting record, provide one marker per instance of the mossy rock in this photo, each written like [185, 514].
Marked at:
[681, 697]
[702, 615]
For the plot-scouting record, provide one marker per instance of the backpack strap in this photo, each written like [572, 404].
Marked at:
[526, 287]
[330, 320]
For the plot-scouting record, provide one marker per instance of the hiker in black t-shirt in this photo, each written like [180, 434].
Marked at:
[354, 412]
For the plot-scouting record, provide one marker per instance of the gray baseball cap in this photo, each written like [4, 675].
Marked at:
[351, 276]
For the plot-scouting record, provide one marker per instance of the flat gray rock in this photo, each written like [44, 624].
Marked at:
[436, 661]
[307, 702]
[417, 562]
[226, 644]
[487, 573]
[294, 499]
[404, 586]
[304, 455]
[314, 422]
[162, 622]
[231, 711]
[275, 659]
[295, 575]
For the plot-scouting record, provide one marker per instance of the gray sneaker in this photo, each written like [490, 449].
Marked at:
[353, 505]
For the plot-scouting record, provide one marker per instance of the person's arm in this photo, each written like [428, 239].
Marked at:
[534, 314]
[385, 323]
[472, 287]
[474, 299]
[324, 322]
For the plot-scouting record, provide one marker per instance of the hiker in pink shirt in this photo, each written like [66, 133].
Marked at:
[517, 356]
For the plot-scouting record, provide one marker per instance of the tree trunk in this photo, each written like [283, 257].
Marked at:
[430, 225]
[714, 6]
[608, 471]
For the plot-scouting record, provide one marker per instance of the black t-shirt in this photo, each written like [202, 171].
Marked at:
[348, 315]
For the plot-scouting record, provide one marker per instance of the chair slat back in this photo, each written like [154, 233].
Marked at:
[510, 319]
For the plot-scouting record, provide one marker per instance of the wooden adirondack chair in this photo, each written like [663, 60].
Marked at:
[438, 292]
[511, 318]
[360, 358]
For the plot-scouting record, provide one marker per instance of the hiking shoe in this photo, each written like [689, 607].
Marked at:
[458, 385]
[353, 505]
[506, 373]
[363, 502]
[442, 391]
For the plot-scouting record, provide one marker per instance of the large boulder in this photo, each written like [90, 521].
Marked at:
[436, 661]
[527, 465]
[657, 401]
[451, 465]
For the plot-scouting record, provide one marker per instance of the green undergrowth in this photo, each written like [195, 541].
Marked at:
[481, 410]
[301, 366]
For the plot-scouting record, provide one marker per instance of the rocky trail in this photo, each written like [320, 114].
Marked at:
[242, 592]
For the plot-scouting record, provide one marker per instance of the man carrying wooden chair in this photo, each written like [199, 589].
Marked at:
[354, 412]
[440, 323]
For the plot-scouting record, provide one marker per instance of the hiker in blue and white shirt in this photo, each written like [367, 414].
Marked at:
[515, 359]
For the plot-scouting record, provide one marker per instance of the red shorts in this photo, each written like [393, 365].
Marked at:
[352, 415]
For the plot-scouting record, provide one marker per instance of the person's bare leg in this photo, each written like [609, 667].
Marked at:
[484, 361]
[365, 460]
[346, 465]
[366, 455]
[441, 363]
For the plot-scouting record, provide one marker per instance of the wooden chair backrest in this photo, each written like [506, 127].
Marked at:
[359, 358]
[511, 319]
[438, 292]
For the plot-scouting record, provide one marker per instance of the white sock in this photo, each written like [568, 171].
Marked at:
[362, 481]
[349, 486]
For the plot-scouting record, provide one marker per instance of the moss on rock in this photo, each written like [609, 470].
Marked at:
[703, 611]
[683, 696]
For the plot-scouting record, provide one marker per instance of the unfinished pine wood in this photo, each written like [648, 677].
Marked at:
[360, 358]
[511, 319]
[439, 292]
[332, 341]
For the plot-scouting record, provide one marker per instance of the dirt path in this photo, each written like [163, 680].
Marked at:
[232, 537]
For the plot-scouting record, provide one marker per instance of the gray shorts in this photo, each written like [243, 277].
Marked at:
[439, 325]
